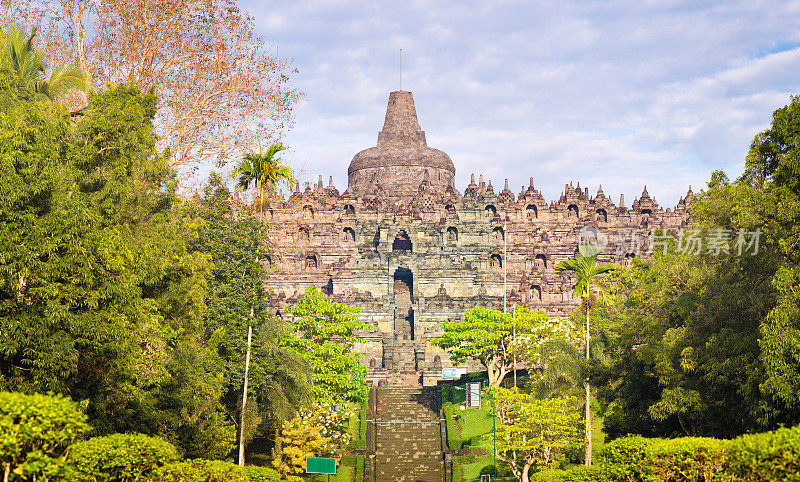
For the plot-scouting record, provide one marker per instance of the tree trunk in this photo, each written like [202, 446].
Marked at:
[7, 472]
[244, 391]
[496, 376]
[525, 472]
[588, 457]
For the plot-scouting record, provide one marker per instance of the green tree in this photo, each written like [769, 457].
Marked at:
[772, 204]
[21, 56]
[681, 337]
[280, 378]
[706, 344]
[534, 434]
[299, 439]
[324, 334]
[488, 336]
[36, 434]
[587, 271]
[99, 297]
[265, 172]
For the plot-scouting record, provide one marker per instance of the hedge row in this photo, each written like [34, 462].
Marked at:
[767, 456]
[360, 418]
[129, 457]
[38, 436]
[453, 442]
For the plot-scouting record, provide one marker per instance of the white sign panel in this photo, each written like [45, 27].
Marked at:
[474, 395]
[453, 372]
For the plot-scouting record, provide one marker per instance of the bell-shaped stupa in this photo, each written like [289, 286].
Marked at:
[400, 161]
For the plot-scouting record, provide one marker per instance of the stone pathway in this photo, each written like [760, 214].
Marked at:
[407, 442]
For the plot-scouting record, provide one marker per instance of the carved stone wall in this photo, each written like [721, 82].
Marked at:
[412, 252]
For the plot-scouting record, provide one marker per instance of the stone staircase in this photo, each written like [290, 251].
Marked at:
[407, 435]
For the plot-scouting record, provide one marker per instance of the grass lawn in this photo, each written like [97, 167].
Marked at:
[343, 474]
[476, 432]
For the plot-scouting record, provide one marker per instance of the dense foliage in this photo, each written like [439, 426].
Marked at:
[324, 334]
[121, 457]
[706, 343]
[99, 296]
[136, 304]
[534, 434]
[280, 379]
[36, 433]
[39, 440]
[766, 456]
[300, 438]
[489, 336]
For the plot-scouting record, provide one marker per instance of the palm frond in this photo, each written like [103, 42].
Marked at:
[264, 170]
[273, 149]
[20, 54]
[64, 78]
[585, 267]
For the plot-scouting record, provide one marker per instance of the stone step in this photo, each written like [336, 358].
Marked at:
[410, 451]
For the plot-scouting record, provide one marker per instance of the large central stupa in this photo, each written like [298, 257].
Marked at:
[402, 159]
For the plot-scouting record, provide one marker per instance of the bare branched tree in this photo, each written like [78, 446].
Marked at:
[217, 82]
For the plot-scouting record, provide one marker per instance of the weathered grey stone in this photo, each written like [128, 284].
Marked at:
[408, 249]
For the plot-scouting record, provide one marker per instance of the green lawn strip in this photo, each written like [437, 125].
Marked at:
[471, 468]
[453, 439]
[358, 427]
[477, 433]
[477, 422]
[343, 474]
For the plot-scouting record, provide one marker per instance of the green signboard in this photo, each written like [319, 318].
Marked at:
[316, 465]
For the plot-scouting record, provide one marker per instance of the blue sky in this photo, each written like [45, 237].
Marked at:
[616, 93]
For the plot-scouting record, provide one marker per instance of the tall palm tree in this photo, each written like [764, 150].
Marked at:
[586, 270]
[19, 53]
[264, 171]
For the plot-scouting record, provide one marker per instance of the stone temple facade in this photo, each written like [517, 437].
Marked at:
[405, 246]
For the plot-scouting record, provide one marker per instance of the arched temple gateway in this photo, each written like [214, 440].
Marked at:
[411, 251]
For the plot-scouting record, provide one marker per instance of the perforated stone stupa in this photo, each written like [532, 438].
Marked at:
[411, 251]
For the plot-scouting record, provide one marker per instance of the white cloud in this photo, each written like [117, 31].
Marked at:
[619, 93]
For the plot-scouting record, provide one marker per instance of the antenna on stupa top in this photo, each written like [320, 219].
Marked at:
[401, 69]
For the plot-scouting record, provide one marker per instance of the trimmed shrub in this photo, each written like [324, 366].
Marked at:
[36, 432]
[686, 458]
[625, 450]
[358, 444]
[580, 473]
[453, 442]
[362, 420]
[260, 474]
[766, 456]
[121, 457]
[359, 472]
[199, 470]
